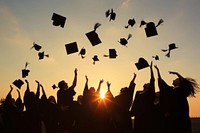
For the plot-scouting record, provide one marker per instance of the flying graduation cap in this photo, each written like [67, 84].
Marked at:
[95, 58]
[111, 14]
[41, 55]
[112, 54]
[54, 86]
[142, 63]
[172, 46]
[131, 22]
[82, 53]
[93, 36]
[150, 29]
[124, 41]
[18, 83]
[156, 57]
[37, 47]
[25, 71]
[58, 20]
[71, 48]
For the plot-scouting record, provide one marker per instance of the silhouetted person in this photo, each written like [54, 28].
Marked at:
[174, 100]
[143, 107]
[11, 115]
[123, 101]
[66, 105]
[90, 104]
[31, 117]
[49, 111]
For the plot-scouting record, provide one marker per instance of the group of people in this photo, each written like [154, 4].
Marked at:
[165, 111]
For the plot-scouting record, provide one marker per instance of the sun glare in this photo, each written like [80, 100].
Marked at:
[102, 95]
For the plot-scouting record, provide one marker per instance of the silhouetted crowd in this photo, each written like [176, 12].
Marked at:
[166, 111]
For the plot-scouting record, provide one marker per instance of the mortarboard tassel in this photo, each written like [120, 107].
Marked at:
[129, 36]
[96, 26]
[160, 22]
[142, 23]
[26, 65]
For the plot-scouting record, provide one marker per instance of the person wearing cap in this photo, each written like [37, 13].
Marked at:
[142, 107]
[174, 102]
[65, 103]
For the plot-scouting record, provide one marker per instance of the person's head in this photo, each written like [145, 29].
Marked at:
[79, 99]
[146, 86]
[62, 85]
[176, 82]
[52, 99]
[123, 90]
[92, 90]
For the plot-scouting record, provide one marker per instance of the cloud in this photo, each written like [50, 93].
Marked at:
[11, 31]
[125, 3]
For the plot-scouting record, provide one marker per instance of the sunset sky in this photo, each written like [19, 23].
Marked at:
[23, 22]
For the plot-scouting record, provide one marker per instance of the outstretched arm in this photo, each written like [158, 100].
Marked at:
[27, 88]
[177, 74]
[75, 78]
[43, 92]
[108, 84]
[99, 87]
[38, 89]
[86, 86]
[158, 72]
[152, 80]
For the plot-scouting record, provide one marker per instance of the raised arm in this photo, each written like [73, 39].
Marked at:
[38, 89]
[177, 74]
[27, 87]
[86, 86]
[99, 87]
[75, 78]
[152, 80]
[108, 85]
[158, 71]
[43, 92]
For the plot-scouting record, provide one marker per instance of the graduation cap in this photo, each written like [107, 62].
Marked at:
[36, 46]
[54, 86]
[124, 41]
[82, 53]
[156, 57]
[93, 36]
[172, 46]
[142, 63]
[95, 58]
[58, 20]
[150, 29]
[131, 22]
[25, 72]
[41, 55]
[112, 53]
[71, 48]
[111, 14]
[18, 83]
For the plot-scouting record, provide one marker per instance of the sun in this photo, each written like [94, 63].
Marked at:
[102, 95]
